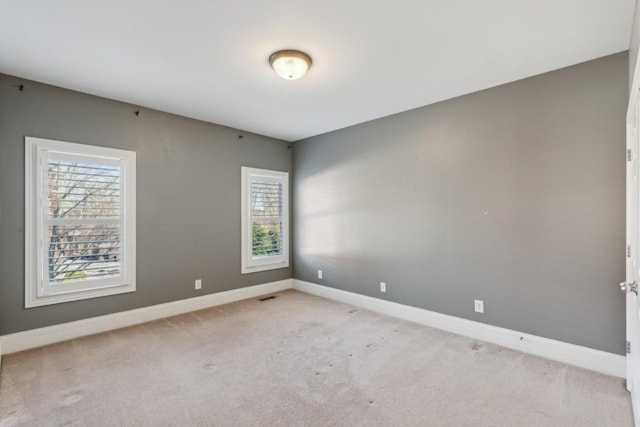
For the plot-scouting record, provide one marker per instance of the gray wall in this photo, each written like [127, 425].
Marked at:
[514, 195]
[188, 197]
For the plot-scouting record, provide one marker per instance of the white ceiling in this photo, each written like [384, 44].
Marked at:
[208, 59]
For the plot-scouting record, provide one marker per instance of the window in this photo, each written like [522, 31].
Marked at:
[80, 221]
[265, 220]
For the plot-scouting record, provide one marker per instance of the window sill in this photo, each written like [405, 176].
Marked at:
[264, 267]
[32, 301]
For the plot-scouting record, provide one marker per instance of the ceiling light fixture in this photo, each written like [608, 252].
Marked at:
[290, 64]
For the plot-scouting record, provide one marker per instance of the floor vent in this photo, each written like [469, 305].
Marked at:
[267, 298]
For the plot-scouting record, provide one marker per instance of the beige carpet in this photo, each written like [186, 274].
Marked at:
[297, 360]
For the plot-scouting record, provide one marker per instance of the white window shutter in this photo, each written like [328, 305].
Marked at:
[81, 204]
[265, 220]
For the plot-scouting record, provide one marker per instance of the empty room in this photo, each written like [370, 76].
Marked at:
[319, 213]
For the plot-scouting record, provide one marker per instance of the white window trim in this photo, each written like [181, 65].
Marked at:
[33, 221]
[266, 263]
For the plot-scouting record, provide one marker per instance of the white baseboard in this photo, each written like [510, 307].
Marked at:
[595, 360]
[33, 338]
[635, 404]
[584, 357]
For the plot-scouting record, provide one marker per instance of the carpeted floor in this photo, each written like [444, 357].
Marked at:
[298, 360]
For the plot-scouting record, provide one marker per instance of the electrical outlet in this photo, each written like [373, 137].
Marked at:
[479, 306]
[383, 286]
[199, 284]
[319, 274]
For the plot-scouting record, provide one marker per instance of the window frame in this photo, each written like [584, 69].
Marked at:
[249, 263]
[36, 261]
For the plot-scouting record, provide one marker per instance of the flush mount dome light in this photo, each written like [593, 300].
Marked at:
[290, 64]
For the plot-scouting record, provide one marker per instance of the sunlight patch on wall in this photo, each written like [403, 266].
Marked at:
[317, 214]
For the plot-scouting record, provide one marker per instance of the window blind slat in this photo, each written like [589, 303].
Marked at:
[85, 165]
[89, 254]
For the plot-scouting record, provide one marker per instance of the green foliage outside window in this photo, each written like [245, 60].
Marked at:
[266, 240]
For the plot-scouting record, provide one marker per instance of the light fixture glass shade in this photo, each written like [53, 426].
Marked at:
[290, 64]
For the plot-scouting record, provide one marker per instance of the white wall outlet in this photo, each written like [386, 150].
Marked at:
[479, 306]
[383, 286]
[199, 284]
[319, 274]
